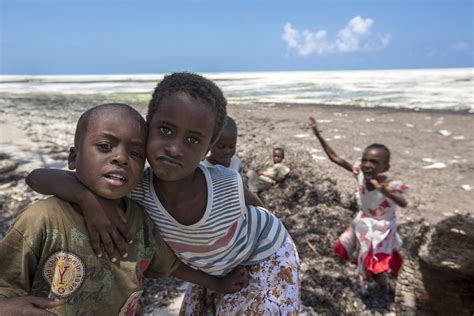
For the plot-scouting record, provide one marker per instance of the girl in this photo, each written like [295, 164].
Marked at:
[371, 241]
[200, 211]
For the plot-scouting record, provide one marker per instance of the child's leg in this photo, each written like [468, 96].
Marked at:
[381, 279]
[346, 245]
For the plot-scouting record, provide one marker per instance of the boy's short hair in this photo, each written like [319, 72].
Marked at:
[196, 86]
[230, 124]
[382, 147]
[280, 149]
[90, 114]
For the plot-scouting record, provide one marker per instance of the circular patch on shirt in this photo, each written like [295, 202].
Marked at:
[64, 271]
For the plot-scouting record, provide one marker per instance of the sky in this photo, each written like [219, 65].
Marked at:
[146, 37]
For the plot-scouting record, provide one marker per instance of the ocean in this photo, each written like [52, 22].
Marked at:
[417, 89]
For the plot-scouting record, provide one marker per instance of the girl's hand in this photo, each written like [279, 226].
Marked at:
[233, 282]
[381, 183]
[106, 223]
[104, 219]
[27, 305]
[355, 170]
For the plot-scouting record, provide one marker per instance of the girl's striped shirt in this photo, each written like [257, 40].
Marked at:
[229, 233]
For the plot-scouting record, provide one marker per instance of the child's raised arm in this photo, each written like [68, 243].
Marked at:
[104, 218]
[329, 152]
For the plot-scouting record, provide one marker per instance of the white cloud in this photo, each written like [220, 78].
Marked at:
[355, 36]
[305, 42]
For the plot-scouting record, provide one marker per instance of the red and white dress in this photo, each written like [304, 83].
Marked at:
[372, 241]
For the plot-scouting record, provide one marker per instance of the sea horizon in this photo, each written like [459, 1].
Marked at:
[417, 89]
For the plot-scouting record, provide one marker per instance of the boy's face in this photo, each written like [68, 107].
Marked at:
[374, 161]
[224, 149]
[110, 159]
[277, 156]
[179, 136]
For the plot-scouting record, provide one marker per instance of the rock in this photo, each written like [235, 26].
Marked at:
[447, 267]
[450, 245]
[7, 166]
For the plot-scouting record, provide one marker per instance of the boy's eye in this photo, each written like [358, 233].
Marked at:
[193, 140]
[165, 131]
[104, 146]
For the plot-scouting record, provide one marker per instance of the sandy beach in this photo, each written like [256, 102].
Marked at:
[432, 151]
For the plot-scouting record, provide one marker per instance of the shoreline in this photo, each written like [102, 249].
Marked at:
[128, 96]
[361, 108]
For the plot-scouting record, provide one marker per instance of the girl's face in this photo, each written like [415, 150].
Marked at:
[179, 136]
[374, 161]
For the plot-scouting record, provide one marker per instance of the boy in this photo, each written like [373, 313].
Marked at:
[48, 248]
[223, 151]
[270, 175]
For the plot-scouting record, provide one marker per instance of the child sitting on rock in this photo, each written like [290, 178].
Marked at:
[271, 174]
[372, 241]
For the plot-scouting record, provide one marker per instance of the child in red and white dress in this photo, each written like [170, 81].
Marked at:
[371, 241]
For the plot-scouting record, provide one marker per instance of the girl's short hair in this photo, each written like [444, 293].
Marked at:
[382, 147]
[196, 86]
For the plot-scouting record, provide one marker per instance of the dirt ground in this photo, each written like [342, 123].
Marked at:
[431, 151]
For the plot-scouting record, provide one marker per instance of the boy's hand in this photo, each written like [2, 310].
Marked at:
[270, 175]
[234, 281]
[27, 305]
[107, 226]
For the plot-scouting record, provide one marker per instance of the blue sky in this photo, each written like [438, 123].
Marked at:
[144, 36]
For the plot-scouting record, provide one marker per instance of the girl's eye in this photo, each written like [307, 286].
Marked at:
[165, 131]
[194, 140]
[104, 146]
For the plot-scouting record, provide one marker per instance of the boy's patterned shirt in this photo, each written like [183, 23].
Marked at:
[47, 253]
